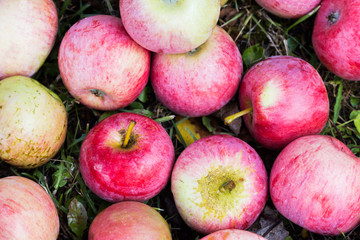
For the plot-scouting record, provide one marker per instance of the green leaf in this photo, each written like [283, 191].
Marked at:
[354, 101]
[357, 123]
[337, 105]
[253, 54]
[77, 217]
[302, 19]
[106, 115]
[136, 105]
[292, 44]
[207, 123]
[354, 114]
[143, 95]
[60, 176]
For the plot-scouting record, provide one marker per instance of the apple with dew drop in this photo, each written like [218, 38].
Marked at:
[282, 98]
[101, 65]
[233, 234]
[170, 26]
[315, 183]
[28, 32]
[336, 37]
[219, 182]
[27, 211]
[129, 220]
[289, 8]
[126, 156]
[201, 81]
[33, 122]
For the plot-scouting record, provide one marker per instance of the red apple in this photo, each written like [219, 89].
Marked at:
[170, 26]
[315, 183]
[33, 122]
[101, 65]
[129, 221]
[199, 82]
[27, 211]
[233, 234]
[116, 170]
[287, 99]
[289, 8]
[28, 31]
[336, 37]
[219, 182]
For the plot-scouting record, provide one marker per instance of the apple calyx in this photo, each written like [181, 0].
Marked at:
[128, 135]
[333, 17]
[98, 93]
[227, 186]
[231, 118]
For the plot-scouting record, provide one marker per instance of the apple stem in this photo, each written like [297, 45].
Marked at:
[128, 133]
[231, 118]
[227, 186]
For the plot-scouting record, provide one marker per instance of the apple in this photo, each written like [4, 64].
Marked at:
[126, 156]
[219, 182]
[285, 98]
[33, 122]
[170, 26]
[101, 65]
[201, 81]
[315, 183]
[29, 29]
[336, 35]
[289, 8]
[223, 2]
[129, 220]
[233, 234]
[27, 211]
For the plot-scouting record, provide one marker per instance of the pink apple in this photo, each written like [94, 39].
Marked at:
[28, 31]
[129, 220]
[116, 171]
[288, 99]
[315, 183]
[27, 211]
[199, 82]
[219, 182]
[170, 26]
[336, 37]
[233, 234]
[289, 8]
[33, 122]
[101, 65]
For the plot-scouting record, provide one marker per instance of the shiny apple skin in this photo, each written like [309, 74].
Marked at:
[233, 234]
[138, 172]
[289, 8]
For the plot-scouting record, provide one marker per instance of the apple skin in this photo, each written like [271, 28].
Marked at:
[201, 82]
[33, 122]
[219, 182]
[289, 8]
[233, 234]
[31, 27]
[129, 220]
[138, 172]
[289, 100]
[336, 35]
[27, 211]
[170, 26]
[315, 183]
[101, 65]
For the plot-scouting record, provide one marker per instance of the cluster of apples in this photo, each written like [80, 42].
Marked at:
[219, 183]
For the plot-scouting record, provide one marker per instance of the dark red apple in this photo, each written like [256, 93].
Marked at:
[136, 170]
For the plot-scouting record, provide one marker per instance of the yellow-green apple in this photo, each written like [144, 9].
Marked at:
[28, 32]
[129, 220]
[336, 37]
[286, 98]
[27, 211]
[101, 65]
[201, 81]
[223, 2]
[219, 182]
[127, 156]
[170, 26]
[233, 234]
[289, 8]
[33, 122]
[315, 182]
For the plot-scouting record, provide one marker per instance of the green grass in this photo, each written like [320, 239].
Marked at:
[258, 35]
